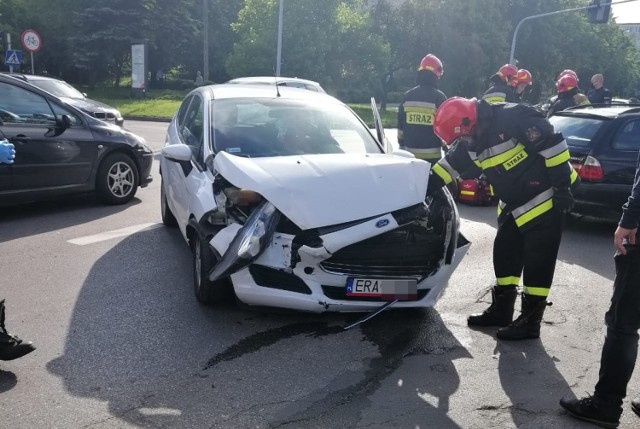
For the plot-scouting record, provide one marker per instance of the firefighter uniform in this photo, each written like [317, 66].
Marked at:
[526, 163]
[568, 99]
[499, 92]
[415, 122]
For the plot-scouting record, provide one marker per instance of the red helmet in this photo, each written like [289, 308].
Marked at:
[455, 117]
[566, 83]
[524, 76]
[507, 72]
[569, 72]
[433, 64]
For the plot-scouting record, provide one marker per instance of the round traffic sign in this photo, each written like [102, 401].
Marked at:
[31, 40]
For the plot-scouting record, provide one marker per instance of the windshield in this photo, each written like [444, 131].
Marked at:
[57, 87]
[275, 127]
[576, 131]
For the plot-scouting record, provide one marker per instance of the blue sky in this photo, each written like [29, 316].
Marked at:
[626, 12]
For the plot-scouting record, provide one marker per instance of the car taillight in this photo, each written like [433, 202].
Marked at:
[589, 170]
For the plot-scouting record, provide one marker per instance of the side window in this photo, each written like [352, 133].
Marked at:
[183, 110]
[59, 111]
[628, 137]
[192, 127]
[20, 106]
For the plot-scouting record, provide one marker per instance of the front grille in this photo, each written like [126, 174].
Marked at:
[408, 251]
[340, 293]
[278, 279]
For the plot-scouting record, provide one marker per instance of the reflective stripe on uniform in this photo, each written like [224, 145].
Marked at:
[419, 112]
[508, 281]
[470, 193]
[509, 158]
[556, 155]
[474, 158]
[497, 149]
[558, 159]
[536, 291]
[501, 206]
[421, 153]
[573, 176]
[540, 204]
[495, 97]
[445, 171]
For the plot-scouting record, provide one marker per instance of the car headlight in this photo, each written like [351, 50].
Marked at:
[249, 242]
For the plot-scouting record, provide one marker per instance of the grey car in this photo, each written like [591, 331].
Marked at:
[69, 94]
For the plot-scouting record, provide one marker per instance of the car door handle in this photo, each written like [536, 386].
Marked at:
[20, 138]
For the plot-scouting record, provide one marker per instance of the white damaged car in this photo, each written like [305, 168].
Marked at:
[288, 200]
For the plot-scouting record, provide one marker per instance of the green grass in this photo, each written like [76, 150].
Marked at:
[163, 104]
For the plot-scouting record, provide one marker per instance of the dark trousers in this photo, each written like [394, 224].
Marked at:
[531, 253]
[620, 348]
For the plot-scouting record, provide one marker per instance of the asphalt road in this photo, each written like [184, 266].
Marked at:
[105, 294]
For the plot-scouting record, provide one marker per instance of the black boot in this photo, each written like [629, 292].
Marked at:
[527, 325]
[592, 410]
[11, 347]
[500, 312]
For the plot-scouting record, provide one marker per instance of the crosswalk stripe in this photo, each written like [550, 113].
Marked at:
[116, 233]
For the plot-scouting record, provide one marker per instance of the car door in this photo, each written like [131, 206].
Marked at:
[186, 179]
[44, 160]
[619, 159]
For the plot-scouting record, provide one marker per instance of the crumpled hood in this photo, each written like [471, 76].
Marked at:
[320, 190]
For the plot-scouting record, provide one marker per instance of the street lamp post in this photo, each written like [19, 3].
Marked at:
[205, 70]
[279, 50]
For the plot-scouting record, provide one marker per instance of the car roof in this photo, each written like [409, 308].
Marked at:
[608, 112]
[222, 91]
[28, 77]
[271, 80]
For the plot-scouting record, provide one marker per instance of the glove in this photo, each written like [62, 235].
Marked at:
[563, 199]
[7, 152]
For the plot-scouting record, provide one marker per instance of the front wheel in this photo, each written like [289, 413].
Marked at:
[167, 215]
[204, 259]
[117, 180]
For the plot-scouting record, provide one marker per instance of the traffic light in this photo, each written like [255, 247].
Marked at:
[598, 11]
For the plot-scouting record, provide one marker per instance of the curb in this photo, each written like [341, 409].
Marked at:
[146, 118]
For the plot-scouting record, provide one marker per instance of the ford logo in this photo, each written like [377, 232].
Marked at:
[382, 223]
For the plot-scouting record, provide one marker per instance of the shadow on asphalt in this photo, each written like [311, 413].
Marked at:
[45, 216]
[160, 359]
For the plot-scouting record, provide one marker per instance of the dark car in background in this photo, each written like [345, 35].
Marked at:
[69, 94]
[61, 150]
[604, 144]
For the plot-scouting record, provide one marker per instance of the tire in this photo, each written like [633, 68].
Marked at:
[117, 180]
[454, 189]
[167, 216]
[204, 258]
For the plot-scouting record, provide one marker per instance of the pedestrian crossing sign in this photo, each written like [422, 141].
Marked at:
[13, 57]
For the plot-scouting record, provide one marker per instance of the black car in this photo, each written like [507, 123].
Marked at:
[70, 95]
[62, 150]
[604, 144]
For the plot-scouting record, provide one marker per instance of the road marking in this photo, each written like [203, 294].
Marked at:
[116, 233]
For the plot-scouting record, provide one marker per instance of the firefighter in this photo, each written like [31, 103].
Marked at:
[501, 90]
[416, 112]
[569, 94]
[520, 82]
[527, 164]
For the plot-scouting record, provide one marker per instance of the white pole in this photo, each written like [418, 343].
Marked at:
[205, 70]
[279, 52]
[33, 67]
[9, 48]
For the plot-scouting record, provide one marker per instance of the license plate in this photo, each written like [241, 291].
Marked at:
[384, 289]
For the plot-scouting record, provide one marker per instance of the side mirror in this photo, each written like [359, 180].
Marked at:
[62, 123]
[177, 152]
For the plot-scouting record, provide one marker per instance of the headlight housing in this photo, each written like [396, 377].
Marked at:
[249, 242]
